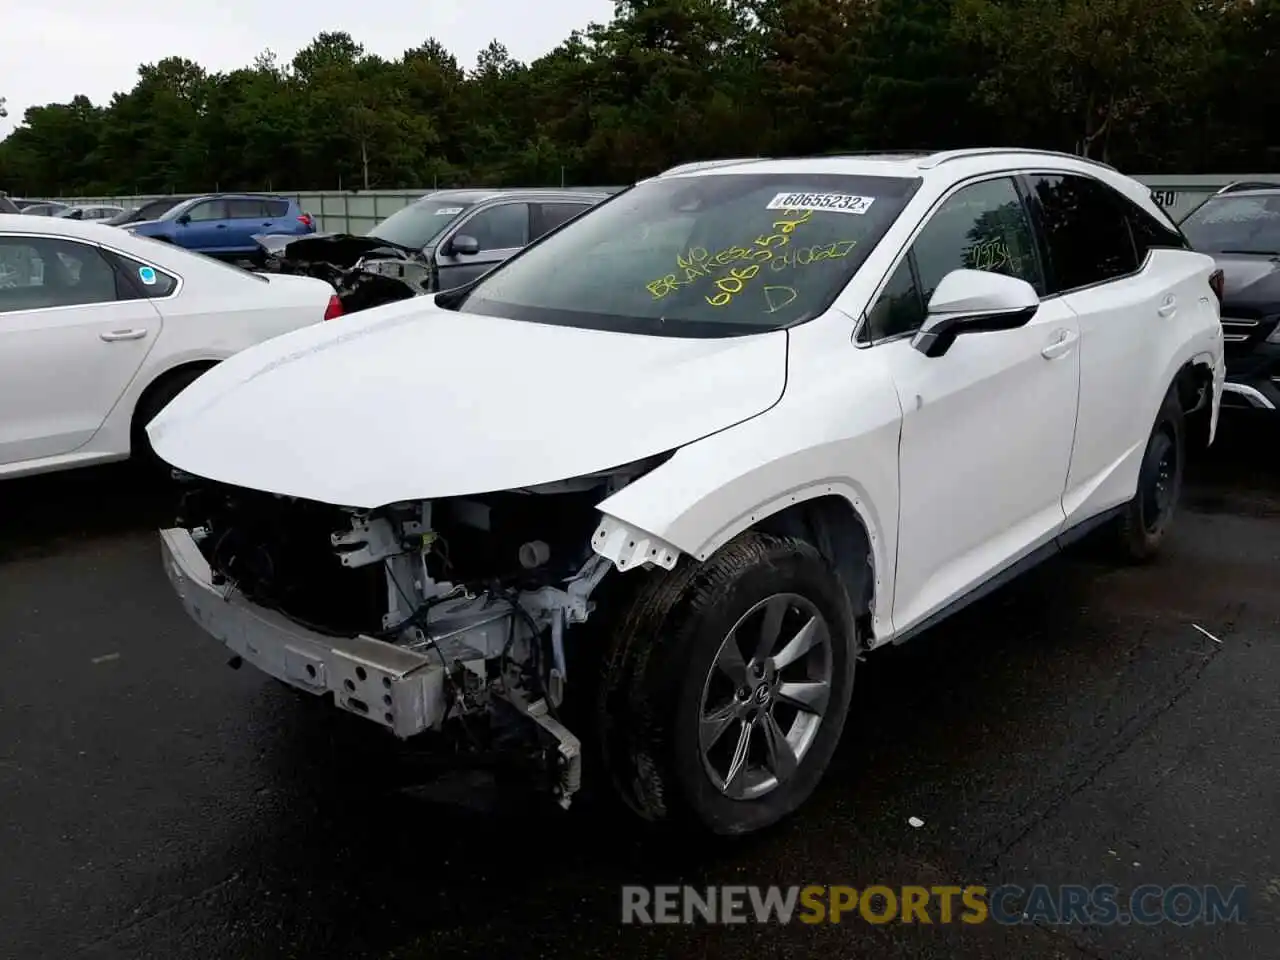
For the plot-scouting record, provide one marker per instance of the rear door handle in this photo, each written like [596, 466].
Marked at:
[115, 335]
[1169, 307]
[1063, 342]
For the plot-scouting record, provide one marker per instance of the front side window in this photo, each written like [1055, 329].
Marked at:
[983, 226]
[1239, 224]
[38, 273]
[209, 210]
[499, 228]
[706, 255]
[1087, 230]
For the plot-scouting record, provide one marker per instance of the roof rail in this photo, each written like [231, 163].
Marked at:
[944, 156]
[1247, 185]
[906, 152]
[708, 164]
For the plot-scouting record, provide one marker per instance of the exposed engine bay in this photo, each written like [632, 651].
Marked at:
[364, 271]
[482, 592]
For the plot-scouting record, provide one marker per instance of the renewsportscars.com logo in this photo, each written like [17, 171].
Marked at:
[1104, 905]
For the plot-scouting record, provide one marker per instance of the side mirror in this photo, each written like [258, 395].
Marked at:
[183, 220]
[464, 246]
[974, 301]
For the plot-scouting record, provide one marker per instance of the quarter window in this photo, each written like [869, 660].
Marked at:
[143, 279]
[500, 227]
[983, 226]
[1086, 227]
[37, 273]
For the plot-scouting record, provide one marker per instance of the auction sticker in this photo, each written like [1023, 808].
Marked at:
[833, 202]
[448, 211]
[147, 276]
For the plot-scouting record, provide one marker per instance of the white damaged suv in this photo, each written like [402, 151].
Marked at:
[658, 480]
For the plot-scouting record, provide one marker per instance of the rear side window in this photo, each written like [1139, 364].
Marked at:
[547, 216]
[278, 208]
[246, 209]
[1086, 228]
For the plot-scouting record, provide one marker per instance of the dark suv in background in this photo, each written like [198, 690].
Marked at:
[1239, 227]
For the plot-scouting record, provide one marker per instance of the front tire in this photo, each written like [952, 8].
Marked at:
[1143, 526]
[727, 686]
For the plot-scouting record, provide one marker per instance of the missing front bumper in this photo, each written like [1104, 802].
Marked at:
[401, 690]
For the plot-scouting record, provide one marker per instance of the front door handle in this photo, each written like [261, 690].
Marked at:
[1169, 307]
[115, 335]
[1062, 343]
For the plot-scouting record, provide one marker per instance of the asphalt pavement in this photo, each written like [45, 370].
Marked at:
[1086, 725]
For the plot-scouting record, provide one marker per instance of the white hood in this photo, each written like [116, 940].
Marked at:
[409, 401]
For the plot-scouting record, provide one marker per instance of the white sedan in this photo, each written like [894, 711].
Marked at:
[100, 329]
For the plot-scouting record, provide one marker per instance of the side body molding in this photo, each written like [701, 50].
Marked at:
[834, 433]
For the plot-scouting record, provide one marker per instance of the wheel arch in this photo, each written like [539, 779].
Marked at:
[834, 516]
[1193, 382]
[160, 382]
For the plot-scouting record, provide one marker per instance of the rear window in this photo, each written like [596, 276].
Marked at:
[1236, 224]
[278, 208]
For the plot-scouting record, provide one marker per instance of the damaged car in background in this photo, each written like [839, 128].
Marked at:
[652, 487]
[444, 240]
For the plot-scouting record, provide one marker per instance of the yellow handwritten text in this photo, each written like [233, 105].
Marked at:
[804, 256]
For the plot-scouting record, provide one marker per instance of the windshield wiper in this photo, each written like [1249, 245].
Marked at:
[1254, 253]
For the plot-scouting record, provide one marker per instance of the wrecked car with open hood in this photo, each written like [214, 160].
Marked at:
[443, 240]
[653, 485]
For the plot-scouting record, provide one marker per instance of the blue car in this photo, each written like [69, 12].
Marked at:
[223, 225]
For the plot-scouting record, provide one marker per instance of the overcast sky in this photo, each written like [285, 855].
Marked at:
[52, 50]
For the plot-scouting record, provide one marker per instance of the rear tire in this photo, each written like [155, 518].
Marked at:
[678, 708]
[1141, 529]
[153, 401]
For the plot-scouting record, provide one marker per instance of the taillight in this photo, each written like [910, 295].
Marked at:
[306, 221]
[334, 309]
[1217, 283]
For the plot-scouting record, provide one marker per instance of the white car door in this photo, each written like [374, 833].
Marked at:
[70, 343]
[1097, 244]
[987, 428]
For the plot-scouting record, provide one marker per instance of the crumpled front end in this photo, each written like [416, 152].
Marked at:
[446, 617]
[364, 271]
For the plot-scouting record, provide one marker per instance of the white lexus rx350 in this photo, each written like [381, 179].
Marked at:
[664, 475]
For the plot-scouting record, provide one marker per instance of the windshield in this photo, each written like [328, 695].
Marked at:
[1236, 225]
[701, 256]
[418, 224]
